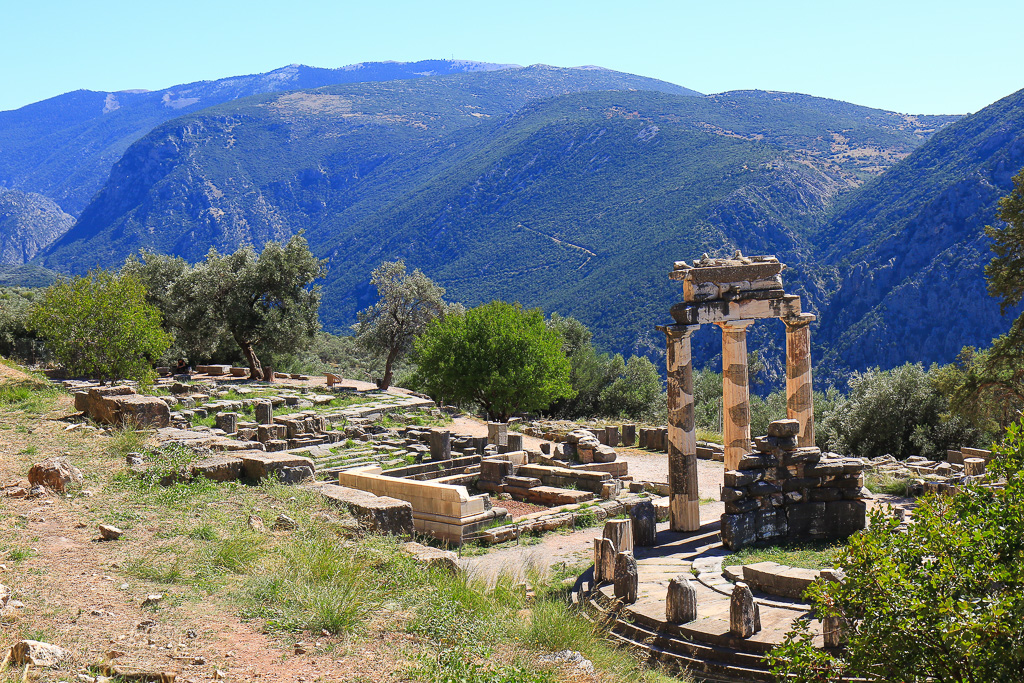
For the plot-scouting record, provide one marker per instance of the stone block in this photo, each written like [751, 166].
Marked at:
[763, 488]
[784, 428]
[806, 520]
[739, 530]
[738, 479]
[376, 514]
[259, 465]
[433, 558]
[744, 616]
[681, 601]
[644, 521]
[497, 433]
[628, 435]
[627, 577]
[825, 494]
[227, 421]
[756, 461]
[620, 533]
[514, 442]
[730, 494]
[843, 518]
[797, 483]
[604, 560]
[611, 435]
[741, 506]
[494, 469]
[771, 524]
[218, 468]
[808, 455]
[604, 454]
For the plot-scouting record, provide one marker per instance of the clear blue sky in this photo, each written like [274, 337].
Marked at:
[913, 57]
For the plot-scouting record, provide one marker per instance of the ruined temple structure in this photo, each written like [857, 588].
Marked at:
[732, 293]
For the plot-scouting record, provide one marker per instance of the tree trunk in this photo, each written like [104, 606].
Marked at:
[389, 368]
[255, 369]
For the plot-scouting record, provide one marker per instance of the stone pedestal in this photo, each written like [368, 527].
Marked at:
[645, 520]
[604, 560]
[735, 391]
[264, 413]
[744, 617]
[620, 533]
[628, 435]
[497, 433]
[974, 467]
[627, 577]
[227, 421]
[681, 602]
[513, 442]
[612, 436]
[440, 444]
[684, 497]
[799, 391]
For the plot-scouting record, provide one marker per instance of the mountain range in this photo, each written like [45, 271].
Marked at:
[569, 189]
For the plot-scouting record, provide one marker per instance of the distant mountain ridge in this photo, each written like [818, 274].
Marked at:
[63, 147]
[572, 189]
[28, 223]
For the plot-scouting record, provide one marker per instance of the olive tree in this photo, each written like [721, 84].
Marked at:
[406, 305]
[264, 302]
[100, 325]
[497, 355]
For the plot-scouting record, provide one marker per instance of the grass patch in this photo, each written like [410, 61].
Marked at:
[708, 435]
[883, 482]
[125, 440]
[31, 396]
[817, 555]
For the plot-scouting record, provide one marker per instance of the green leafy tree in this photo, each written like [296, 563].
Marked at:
[265, 303]
[101, 326]
[896, 411]
[637, 394]
[497, 355]
[941, 602]
[406, 305]
[590, 372]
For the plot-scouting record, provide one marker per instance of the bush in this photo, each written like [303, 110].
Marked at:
[637, 394]
[101, 326]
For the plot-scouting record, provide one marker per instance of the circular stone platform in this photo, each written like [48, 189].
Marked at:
[704, 647]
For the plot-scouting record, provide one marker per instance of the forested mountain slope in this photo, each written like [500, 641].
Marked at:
[570, 189]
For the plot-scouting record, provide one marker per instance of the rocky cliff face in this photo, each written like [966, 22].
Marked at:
[28, 223]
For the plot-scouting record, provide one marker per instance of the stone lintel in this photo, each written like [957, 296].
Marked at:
[800, 320]
[787, 307]
[733, 272]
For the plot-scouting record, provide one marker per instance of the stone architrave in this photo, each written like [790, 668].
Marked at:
[681, 601]
[799, 391]
[735, 392]
[264, 413]
[620, 533]
[627, 577]
[604, 560]
[744, 617]
[684, 497]
[645, 520]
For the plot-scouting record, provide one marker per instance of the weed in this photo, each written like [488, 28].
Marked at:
[125, 440]
[883, 482]
[812, 555]
[459, 665]
[18, 554]
[31, 396]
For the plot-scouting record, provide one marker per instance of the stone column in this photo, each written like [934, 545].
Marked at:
[799, 392]
[735, 391]
[684, 497]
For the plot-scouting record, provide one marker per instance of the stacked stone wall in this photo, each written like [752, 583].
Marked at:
[782, 492]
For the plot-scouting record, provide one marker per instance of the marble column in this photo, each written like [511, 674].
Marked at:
[735, 391]
[684, 497]
[799, 391]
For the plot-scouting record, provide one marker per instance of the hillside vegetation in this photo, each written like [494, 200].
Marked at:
[572, 190]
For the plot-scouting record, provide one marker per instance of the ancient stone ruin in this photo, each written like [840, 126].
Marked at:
[733, 294]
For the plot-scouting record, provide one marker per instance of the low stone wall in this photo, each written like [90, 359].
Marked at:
[122, 406]
[444, 511]
[782, 493]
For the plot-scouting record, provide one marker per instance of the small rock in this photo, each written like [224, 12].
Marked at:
[5, 595]
[219, 675]
[285, 523]
[146, 625]
[16, 604]
[152, 599]
[114, 654]
[55, 474]
[37, 654]
[191, 634]
[256, 523]
[123, 586]
[110, 533]
[300, 648]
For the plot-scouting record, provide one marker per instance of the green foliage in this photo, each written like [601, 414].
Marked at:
[17, 338]
[940, 602]
[896, 411]
[811, 555]
[101, 326]
[637, 394]
[497, 355]
[30, 396]
[261, 304]
[1005, 273]
[407, 303]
